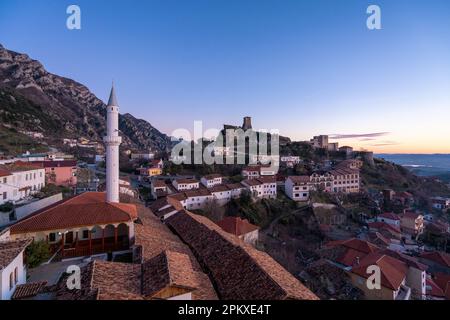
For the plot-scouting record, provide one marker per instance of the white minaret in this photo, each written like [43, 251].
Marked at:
[112, 142]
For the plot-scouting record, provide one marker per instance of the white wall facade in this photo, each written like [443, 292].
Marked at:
[15, 266]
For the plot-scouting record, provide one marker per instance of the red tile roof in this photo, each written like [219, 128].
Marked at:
[4, 173]
[9, 250]
[299, 180]
[238, 270]
[86, 209]
[383, 225]
[55, 164]
[236, 226]
[19, 166]
[443, 281]
[389, 215]
[28, 290]
[349, 252]
[438, 257]
[434, 290]
[393, 271]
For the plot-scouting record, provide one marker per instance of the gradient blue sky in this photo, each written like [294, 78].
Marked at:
[303, 67]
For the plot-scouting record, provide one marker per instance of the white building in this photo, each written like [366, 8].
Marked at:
[345, 180]
[389, 218]
[297, 188]
[211, 180]
[142, 156]
[263, 187]
[185, 184]
[12, 268]
[19, 180]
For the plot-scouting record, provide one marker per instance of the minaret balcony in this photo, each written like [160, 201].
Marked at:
[112, 140]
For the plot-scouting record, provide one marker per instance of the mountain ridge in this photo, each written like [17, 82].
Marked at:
[32, 96]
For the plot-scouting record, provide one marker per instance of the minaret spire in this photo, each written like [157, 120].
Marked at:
[112, 141]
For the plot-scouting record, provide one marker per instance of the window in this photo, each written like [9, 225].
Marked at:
[52, 237]
[16, 275]
[11, 281]
[5, 195]
[85, 234]
[4, 180]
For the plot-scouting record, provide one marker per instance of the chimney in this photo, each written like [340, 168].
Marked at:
[247, 123]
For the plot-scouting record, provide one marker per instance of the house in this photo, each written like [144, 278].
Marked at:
[297, 188]
[221, 193]
[85, 224]
[146, 172]
[350, 164]
[290, 161]
[211, 180]
[394, 274]
[158, 188]
[185, 184]
[440, 203]
[401, 276]
[403, 198]
[12, 266]
[437, 261]
[387, 230]
[412, 223]
[251, 172]
[19, 180]
[442, 280]
[62, 173]
[241, 228]
[322, 180]
[142, 155]
[345, 180]
[263, 187]
[389, 218]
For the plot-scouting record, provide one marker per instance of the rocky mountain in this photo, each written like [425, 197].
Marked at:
[32, 99]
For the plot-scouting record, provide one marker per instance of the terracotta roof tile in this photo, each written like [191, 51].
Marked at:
[28, 290]
[9, 250]
[238, 271]
[236, 225]
[86, 209]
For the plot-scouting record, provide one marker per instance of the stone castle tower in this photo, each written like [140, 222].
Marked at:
[247, 123]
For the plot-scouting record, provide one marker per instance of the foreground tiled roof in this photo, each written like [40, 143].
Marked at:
[9, 250]
[174, 269]
[238, 271]
[86, 209]
[28, 290]
[102, 280]
[19, 166]
[443, 281]
[236, 225]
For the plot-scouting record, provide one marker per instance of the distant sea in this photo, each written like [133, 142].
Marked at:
[422, 164]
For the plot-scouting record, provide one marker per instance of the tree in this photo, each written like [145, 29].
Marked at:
[37, 253]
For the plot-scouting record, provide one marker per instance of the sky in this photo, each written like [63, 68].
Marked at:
[302, 67]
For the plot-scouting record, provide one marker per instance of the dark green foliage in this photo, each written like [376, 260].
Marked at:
[37, 253]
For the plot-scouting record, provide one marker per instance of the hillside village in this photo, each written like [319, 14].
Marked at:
[109, 198]
[321, 215]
